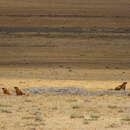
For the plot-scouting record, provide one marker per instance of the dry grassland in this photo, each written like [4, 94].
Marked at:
[48, 112]
[66, 112]
[64, 43]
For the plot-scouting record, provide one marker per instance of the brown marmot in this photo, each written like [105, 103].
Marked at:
[18, 91]
[6, 91]
[121, 87]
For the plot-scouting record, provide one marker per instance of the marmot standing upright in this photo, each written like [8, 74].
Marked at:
[6, 91]
[18, 91]
[121, 87]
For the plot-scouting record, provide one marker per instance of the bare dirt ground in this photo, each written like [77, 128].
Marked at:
[64, 44]
[63, 112]
[48, 112]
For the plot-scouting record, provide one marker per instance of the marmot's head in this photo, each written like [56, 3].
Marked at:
[16, 88]
[124, 83]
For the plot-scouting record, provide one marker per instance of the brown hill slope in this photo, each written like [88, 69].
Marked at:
[64, 31]
[65, 7]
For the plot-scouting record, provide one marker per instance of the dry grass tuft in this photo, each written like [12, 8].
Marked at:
[76, 107]
[126, 119]
[85, 121]
[76, 115]
[5, 111]
[4, 105]
[112, 106]
[113, 125]
[72, 100]
[38, 118]
[28, 117]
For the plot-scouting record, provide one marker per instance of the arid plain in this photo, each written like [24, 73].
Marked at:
[64, 43]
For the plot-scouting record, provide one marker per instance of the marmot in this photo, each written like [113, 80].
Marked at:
[18, 91]
[121, 87]
[6, 91]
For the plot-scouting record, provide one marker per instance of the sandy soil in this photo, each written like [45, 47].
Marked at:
[68, 112]
[64, 43]
[64, 112]
[82, 75]
[38, 112]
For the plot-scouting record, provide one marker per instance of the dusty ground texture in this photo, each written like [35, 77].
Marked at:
[80, 75]
[64, 43]
[39, 112]
[63, 112]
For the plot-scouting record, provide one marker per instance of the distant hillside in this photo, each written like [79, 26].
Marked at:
[42, 31]
[65, 7]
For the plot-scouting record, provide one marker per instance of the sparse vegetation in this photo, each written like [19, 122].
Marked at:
[126, 119]
[54, 108]
[76, 115]
[4, 105]
[94, 117]
[112, 106]
[37, 113]
[64, 110]
[5, 111]
[28, 117]
[76, 107]
[85, 121]
[113, 125]
[38, 118]
[120, 111]
[70, 70]
[72, 100]
[28, 100]
[80, 43]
